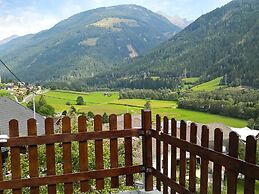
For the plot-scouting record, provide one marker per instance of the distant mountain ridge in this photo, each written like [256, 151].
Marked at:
[8, 39]
[177, 20]
[87, 43]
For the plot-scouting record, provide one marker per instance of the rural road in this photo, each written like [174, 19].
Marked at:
[29, 97]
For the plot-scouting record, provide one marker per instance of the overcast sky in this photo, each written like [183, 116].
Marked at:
[22, 17]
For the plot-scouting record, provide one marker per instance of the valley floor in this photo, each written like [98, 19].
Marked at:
[99, 102]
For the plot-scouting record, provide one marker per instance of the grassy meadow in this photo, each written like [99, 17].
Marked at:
[98, 103]
[208, 86]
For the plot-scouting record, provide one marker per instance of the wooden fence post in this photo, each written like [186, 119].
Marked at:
[250, 157]
[233, 152]
[158, 152]
[147, 125]
[15, 154]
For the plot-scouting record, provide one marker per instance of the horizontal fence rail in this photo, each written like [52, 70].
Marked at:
[64, 140]
[181, 157]
[176, 139]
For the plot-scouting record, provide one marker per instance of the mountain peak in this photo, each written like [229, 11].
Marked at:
[88, 43]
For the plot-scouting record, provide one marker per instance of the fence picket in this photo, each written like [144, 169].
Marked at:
[173, 152]
[114, 150]
[165, 155]
[192, 164]
[33, 154]
[182, 155]
[233, 152]
[50, 154]
[1, 169]
[15, 154]
[83, 152]
[250, 157]
[128, 149]
[158, 152]
[67, 155]
[233, 166]
[98, 151]
[218, 142]
[204, 161]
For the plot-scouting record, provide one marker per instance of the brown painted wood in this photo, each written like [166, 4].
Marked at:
[218, 142]
[147, 126]
[50, 153]
[63, 138]
[224, 160]
[67, 156]
[83, 152]
[204, 161]
[114, 150]
[173, 153]
[1, 170]
[70, 177]
[233, 152]
[15, 155]
[165, 155]
[98, 151]
[158, 152]
[192, 163]
[182, 155]
[171, 183]
[33, 154]
[251, 158]
[128, 149]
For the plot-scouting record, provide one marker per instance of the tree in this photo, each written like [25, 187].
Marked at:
[90, 114]
[251, 123]
[42, 101]
[105, 118]
[147, 106]
[80, 100]
[42, 108]
[46, 110]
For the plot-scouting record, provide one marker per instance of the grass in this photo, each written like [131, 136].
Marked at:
[3, 92]
[191, 80]
[240, 187]
[98, 103]
[208, 86]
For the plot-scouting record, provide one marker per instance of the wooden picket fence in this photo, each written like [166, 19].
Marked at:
[165, 181]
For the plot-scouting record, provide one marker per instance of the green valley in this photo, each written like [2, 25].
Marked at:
[99, 103]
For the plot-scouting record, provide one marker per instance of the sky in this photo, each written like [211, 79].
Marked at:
[20, 17]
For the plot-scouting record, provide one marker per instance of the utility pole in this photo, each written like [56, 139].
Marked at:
[34, 107]
[226, 79]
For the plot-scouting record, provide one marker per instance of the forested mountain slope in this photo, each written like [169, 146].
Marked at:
[224, 42]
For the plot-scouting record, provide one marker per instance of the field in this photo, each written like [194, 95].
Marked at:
[99, 103]
[208, 86]
[191, 80]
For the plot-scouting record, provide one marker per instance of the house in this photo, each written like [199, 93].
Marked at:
[10, 109]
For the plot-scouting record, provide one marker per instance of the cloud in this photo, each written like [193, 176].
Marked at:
[24, 22]
[23, 17]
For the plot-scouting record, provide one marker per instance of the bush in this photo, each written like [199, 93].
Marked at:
[80, 100]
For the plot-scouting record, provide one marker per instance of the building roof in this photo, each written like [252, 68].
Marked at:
[9, 109]
[244, 132]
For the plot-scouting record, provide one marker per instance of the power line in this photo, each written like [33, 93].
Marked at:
[10, 70]
[19, 80]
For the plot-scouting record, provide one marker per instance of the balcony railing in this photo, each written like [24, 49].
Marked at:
[155, 165]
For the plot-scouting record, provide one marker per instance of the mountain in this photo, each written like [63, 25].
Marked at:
[177, 20]
[223, 42]
[4, 41]
[87, 43]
